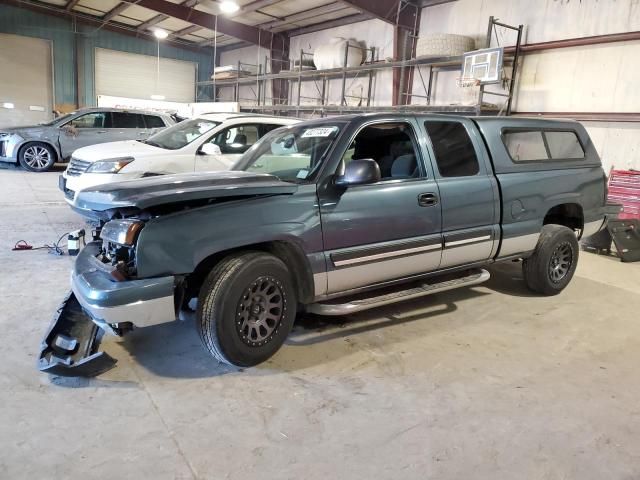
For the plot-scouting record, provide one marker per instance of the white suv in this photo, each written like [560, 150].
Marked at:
[207, 143]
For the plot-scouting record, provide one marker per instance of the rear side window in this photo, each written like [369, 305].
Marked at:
[153, 122]
[125, 120]
[525, 146]
[453, 148]
[564, 145]
[528, 146]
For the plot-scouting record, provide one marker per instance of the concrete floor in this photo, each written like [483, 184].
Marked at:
[481, 383]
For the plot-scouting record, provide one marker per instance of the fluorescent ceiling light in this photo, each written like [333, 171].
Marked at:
[157, 97]
[229, 6]
[160, 34]
[8, 105]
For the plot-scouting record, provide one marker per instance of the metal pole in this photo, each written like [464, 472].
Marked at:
[514, 70]
[343, 100]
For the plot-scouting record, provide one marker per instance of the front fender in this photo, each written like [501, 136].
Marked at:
[178, 242]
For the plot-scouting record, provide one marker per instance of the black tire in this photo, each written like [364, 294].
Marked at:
[238, 318]
[37, 156]
[550, 269]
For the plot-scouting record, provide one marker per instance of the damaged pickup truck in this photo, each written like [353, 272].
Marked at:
[330, 216]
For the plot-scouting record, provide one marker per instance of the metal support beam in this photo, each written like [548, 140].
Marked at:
[237, 30]
[305, 14]
[152, 21]
[397, 12]
[404, 48]
[279, 54]
[185, 31]
[254, 6]
[70, 4]
[115, 11]
[338, 22]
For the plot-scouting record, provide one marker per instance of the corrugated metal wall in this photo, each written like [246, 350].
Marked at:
[64, 34]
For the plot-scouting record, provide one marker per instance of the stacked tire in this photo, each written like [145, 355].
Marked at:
[444, 45]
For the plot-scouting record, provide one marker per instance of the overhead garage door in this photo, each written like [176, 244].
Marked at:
[25, 80]
[122, 74]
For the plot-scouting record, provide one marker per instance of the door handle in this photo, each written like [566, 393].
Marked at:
[427, 199]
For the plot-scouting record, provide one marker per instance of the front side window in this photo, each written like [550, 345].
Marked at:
[292, 154]
[181, 134]
[453, 149]
[91, 120]
[236, 139]
[391, 145]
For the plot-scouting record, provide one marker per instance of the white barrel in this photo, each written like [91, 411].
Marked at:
[331, 55]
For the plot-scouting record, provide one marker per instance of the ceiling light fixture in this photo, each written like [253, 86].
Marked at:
[157, 97]
[229, 6]
[160, 34]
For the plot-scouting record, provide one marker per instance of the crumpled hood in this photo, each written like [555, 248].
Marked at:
[178, 188]
[126, 148]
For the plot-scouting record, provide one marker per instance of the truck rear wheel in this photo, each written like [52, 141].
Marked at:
[246, 308]
[550, 269]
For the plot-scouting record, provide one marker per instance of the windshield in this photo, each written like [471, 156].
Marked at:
[292, 154]
[59, 119]
[181, 134]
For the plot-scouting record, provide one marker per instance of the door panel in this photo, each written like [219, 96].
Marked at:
[380, 232]
[468, 194]
[85, 130]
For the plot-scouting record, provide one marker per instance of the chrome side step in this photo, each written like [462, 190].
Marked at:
[472, 277]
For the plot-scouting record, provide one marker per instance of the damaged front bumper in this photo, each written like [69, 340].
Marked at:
[99, 303]
[70, 346]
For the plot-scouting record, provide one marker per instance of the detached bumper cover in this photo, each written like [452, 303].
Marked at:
[70, 346]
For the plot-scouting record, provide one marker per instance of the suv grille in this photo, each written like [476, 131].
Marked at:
[77, 166]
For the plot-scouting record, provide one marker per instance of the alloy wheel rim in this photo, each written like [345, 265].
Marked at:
[561, 262]
[260, 311]
[36, 157]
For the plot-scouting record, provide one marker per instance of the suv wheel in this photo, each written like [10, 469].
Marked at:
[37, 157]
[553, 263]
[246, 308]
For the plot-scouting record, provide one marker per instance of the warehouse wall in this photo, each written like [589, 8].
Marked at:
[249, 55]
[598, 78]
[61, 32]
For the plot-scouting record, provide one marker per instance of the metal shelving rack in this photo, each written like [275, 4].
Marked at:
[296, 76]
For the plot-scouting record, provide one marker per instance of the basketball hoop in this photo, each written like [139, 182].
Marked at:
[470, 90]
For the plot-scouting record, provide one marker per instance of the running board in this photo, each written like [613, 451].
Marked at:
[359, 303]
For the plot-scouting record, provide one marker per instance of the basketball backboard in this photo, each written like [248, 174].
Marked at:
[484, 65]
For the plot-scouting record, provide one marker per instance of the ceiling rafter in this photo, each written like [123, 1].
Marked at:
[115, 11]
[400, 12]
[225, 26]
[305, 14]
[185, 31]
[153, 21]
[70, 4]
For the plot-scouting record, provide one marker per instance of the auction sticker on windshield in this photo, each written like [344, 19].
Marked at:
[319, 132]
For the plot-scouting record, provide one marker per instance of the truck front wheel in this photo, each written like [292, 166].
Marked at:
[246, 308]
[550, 269]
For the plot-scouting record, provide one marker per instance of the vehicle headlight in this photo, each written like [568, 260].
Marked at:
[122, 232]
[112, 165]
